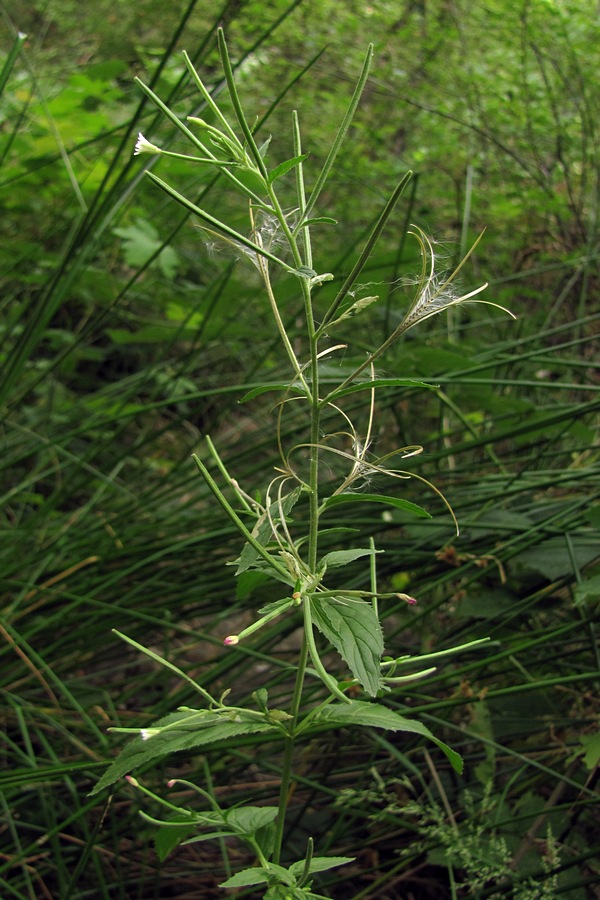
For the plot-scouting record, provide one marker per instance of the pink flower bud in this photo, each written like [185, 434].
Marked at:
[410, 600]
[231, 640]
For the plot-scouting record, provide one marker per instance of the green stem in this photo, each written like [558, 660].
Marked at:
[315, 422]
[288, 754]
[264, 271]
[218, 494]
[315, 416]
[366, 252]
[237, 106]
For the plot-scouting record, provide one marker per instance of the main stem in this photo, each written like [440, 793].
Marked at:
[288, 754]
[315, 418]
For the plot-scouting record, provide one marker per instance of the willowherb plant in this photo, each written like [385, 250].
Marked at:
[280, 239]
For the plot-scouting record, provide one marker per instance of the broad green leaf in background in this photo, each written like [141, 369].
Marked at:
[170, 835]
[591, 746]
[141, 241]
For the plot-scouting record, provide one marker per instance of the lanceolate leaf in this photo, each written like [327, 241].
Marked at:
[170, 835]
[342, 557]
[257, 875]
[366, 385]
[352, 626]
[374, 715]
[286, 166]
[318, 220]
[182, 730]
[321, 864]
[396, 502]
[265, 388]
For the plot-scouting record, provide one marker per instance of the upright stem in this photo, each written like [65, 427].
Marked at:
[286, 773]
[315, 422]
[315, 417]
[288, 753]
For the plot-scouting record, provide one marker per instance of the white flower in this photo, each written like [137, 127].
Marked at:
[144, 146]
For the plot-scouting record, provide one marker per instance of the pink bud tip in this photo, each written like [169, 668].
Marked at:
[410, 600]
[231, 640]
[131, 780]
[171, 782]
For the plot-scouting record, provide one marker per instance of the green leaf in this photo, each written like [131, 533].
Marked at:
[591, 745]
[182, 730]
[396, 502]
[276, 606]
[379, 383]
[284, 892]
[286, 166]
[342, 557]
[258, 875]
[11, 59]
[321, 864]
[141, 242]
[265, 146]
[248, 820]
[170, 836]
[341, 133]
[255, 875]
[353, 628]
[251, 180]
[365, 253]
[318, 220]
[242, 821]
[305, 272]
[265, 388]
[374, 715]
[353, 310]
[248, 582]
[263, 530]
[588, 590]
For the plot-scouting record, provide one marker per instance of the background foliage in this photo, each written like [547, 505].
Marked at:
[125, 337]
